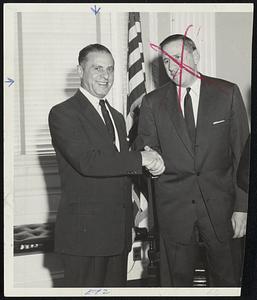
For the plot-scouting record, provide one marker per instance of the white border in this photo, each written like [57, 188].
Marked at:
[125, 7]
[9, 10]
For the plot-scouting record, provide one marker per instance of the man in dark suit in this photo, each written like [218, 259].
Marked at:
[199, 126]
[94, 221]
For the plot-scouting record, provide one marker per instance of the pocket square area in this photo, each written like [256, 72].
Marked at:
[218, 122]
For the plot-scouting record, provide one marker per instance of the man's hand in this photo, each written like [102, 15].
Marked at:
[154, 163]
[239, 224]
[148, 157]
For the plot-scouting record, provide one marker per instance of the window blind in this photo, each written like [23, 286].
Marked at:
[49, 44]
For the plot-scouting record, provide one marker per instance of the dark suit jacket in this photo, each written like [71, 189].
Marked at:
[244, 167]
[95, 212]
[209, 170]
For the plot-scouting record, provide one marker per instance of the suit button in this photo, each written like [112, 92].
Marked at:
[123, 205]
[197, 173]
[193, 201]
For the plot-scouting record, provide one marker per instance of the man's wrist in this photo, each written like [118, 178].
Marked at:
[144, 159]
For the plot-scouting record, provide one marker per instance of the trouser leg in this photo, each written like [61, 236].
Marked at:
[116, 273]
[238, 252]
[95, 271]
[223, 262]
[220, 262]
[84, 271]
[177, 262]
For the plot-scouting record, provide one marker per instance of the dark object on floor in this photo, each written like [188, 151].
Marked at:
[33, 238]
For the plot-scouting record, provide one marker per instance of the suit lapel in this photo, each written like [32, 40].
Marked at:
[205, 110]
[88, 110]
[173, 109]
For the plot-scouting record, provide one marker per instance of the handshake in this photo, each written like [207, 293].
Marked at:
[152, 161]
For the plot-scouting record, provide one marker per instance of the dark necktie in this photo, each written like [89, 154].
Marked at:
[189, 116]
[107, 120]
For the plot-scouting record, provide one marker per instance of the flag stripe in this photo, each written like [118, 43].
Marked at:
[133, 18]
[136, 93]
[134, 57]
[134, 31]
[136, 90]
[132, 34]
[135, 68]
[133, 43]
[136, 80]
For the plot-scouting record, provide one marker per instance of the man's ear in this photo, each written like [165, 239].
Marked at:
[80, 71]
[196, 56]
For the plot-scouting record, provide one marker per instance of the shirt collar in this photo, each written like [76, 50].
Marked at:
[90, 97]
[195, 87]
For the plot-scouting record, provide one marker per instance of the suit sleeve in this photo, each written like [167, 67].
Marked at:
[69, 139]
[244, 167]
[239, 133]
[147, 132]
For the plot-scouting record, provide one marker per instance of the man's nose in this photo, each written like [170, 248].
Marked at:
[105, 74]
[171, 65]
[174, 66]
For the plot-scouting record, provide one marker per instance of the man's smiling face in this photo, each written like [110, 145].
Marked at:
[97, 73]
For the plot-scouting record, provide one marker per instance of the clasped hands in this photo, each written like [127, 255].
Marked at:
[153, 161]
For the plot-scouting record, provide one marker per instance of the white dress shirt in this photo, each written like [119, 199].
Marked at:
[95, 102]
[195, 96]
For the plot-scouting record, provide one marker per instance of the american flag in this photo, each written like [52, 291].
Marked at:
[136, 90]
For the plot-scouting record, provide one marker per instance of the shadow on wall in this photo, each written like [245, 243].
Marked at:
[48, 164]
[248, 103]
[52, 261]
[159, 75]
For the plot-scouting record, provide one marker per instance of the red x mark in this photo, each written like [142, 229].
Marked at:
[180, 63]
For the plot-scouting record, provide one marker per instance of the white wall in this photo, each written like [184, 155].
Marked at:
[233, 50]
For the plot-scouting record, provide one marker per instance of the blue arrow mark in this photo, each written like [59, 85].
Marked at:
[95, 11]
[10, 81]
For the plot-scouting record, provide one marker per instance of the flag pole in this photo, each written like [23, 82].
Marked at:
[152, 235]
